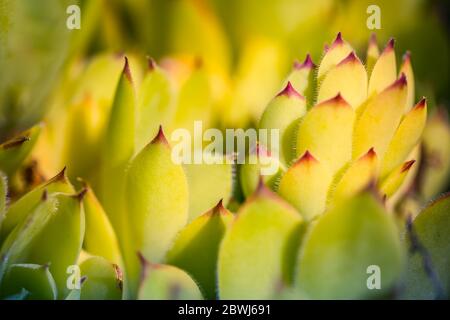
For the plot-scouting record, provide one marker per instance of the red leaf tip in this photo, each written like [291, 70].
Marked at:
[390, 46]
[126, 70]
[407, 165]
[306, 158]
[400, 83]
[307, 63]
[371, 154]
[351, 58]
[337, 100]
[151, 63]
[160, 137]
[289, 91]
[407, 57]
[373, 39]
[338, 40]
[421, 104]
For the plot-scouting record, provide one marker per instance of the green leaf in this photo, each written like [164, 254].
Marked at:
[283, 114]
[20, 209]
[258, 251]
[155, 104]
[157, 200]
[164, 282]
[215, 178]
[3, 197]
[431, 227]
[60, 240]
[14, 151]
[36, 279]
[343, 243]
[100, 238]
[197, 246]
[103, 280]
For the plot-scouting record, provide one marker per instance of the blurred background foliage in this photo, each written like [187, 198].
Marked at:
[246, 46]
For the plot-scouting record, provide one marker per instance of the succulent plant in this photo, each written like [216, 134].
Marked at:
[351, 141]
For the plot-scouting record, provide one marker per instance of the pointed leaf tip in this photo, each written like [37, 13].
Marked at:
[349, 59]
[371, 153]
[80, 195]
[407, 57]
[337, 100]
[151, 63]
[338, 40]
[15, 142]
[126, 70]
[390, 46]
[421, 104]
[306, 158]
[160, 137]
[400, 83]
[307, 63]
[373, 39]
[407, 165]
[289, 92]
[60, 176]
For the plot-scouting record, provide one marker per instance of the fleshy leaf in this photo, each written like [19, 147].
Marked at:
[197, 246]
[349, 78]
[405, 138]
[384, 71]
[20, 209]
[155, 104]
[36, 279]
[356, 177]
[395, 179]
[283, 114]
[119, 147]
[406, 68]
[251, 171]
[100, 238]
[373, 53]
[157, 202]
[258, 251]
[14, 151]
[3, 197]
[216, 178]
[103, 280]
[302, 78]
[326, 131]
[377, 124]
[338, 50]
[436, 155]
[427, 274]
[60, 249]
[164, 282]
[343, 244]
[305, 185]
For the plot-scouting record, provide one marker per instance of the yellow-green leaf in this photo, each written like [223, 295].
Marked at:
[349, 78]
[258, 251]
[345, 246]
[379, 121]
[405, 138]
[384, 71]
[305, 185]
[196, 248]
[164, 282]
[326, 131]
[283, 114]
[103, 280]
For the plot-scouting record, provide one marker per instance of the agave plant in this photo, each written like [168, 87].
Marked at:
[350, 140]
